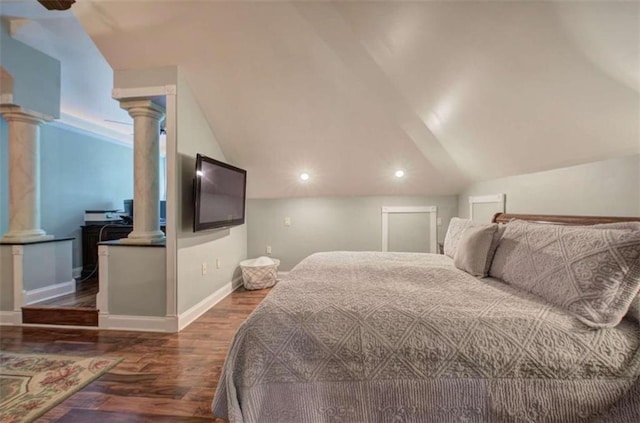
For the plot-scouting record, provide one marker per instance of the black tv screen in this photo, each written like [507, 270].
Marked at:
[219, 194]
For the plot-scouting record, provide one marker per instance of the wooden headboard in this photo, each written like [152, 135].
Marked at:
[562, 220]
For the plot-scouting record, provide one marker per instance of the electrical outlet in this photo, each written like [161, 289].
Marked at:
[287, 221]
[204, 268]
[268, 250]
[218, 264]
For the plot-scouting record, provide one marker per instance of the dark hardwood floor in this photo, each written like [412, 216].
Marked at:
[163, 377]
[84, 297]
[75, 309]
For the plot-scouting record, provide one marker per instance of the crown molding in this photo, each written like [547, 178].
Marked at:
[84, 127]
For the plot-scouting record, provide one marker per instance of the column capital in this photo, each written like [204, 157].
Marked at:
[145, 108]
[12, 112]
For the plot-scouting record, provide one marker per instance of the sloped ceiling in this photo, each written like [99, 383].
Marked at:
[451, 92]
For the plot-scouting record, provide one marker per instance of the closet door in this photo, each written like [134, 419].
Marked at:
[409, 232]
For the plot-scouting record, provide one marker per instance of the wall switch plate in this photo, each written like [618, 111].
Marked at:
[268, 250]
[204, 268]
[218, 264]
[287, 221]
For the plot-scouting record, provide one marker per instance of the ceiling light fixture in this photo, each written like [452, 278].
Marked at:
[304, 176]
[399, 173]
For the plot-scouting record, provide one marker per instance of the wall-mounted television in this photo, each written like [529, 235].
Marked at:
[219, 194]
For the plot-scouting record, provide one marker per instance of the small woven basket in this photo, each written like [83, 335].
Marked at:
[259, 277]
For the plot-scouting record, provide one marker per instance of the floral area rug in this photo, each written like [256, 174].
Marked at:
[31, 384]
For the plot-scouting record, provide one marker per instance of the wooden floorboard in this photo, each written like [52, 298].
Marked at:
[163, 377]
[83, 297]
[60, 316]
[75, 309]
[83, 416]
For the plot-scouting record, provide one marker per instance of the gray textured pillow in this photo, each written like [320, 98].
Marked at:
[454, 232]
[474, 247]
[494, 246]
[592, 273]
[634, 226]
[634, 309]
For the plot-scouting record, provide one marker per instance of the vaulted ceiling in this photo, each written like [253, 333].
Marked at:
[451, 92]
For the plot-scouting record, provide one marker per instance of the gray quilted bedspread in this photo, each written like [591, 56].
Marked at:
[401, 337]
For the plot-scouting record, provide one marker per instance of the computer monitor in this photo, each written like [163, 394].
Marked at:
[128, 208]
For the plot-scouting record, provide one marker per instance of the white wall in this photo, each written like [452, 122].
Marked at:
[46, 264]
[136, 78]
[604, 188]
[330, 223]
[137, 279]
[228, 245]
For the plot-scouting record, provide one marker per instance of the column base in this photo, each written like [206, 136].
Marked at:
[144, 238]
[25, 237]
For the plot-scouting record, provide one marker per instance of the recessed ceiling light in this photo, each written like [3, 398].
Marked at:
[304, 176]
[399, 173]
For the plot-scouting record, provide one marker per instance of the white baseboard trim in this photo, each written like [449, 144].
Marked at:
[136, 323]
[10, 318]
[76, 272]
[142, 323]
[48, 292]
[186, 318]
[236, 283]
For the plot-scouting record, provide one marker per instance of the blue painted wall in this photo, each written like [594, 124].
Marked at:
[36, 76]
[78, 172]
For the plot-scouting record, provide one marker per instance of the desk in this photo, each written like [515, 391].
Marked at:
[91, 237]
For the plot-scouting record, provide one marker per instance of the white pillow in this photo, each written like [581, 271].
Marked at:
[474, 248]
[494, 246]
[634, 309]
[454, 232]
[592, 273]
[634, 226]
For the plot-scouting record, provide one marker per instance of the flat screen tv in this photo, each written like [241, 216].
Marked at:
[219, 197]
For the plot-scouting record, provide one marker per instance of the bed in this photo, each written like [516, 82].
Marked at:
[404, 337]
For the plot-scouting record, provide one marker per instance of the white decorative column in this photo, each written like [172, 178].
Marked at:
[17, 251]
[24, 175]
[146, 155]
